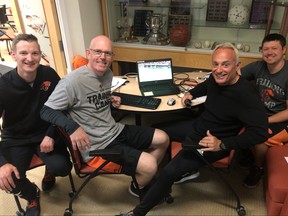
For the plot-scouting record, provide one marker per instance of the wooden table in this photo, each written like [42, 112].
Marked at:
[132, 87]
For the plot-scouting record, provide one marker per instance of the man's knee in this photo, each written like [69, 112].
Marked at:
[160, 140]
[60, 169]
[19, 184]
[147, 164]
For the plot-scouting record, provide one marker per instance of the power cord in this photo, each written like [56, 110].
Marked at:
[185, 83]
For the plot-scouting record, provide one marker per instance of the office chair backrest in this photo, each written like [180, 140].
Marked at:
[84, 170]
[36, 162]
[80, 166]
[227, 164]
[3, 16]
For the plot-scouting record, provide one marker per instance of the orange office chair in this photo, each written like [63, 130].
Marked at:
[83, 170]
[226, 164]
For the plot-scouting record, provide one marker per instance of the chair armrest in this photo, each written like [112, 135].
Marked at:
[105, 152]
[190, 144]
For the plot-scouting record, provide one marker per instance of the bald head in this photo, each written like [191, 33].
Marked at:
[101, 40]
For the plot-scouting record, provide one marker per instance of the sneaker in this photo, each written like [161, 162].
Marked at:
[33, 207]
[48, 181]
[130, 213]
[187, 177]
[254, 177]
[135, 192]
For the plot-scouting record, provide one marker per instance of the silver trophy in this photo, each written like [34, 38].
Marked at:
[154, 36]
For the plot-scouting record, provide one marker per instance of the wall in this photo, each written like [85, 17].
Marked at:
[91, 17]
[34, 20]
[80, 21]
[6, 2]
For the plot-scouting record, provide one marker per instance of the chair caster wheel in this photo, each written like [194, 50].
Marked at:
[241, 211]
[68, 212]
[169, 199]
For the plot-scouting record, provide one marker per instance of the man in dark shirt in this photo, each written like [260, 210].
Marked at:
[23, 92]
[232, 104]
[271, 79]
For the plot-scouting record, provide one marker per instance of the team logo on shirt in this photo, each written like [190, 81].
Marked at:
[99, 99]
[45, 85]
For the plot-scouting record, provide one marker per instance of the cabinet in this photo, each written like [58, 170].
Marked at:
[119, 15]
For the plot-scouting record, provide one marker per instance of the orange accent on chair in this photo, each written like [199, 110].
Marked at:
[223, 163]
[276, 183]
[83, 170]
[79, 61]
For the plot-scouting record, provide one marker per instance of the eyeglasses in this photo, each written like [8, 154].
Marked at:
[98, 52]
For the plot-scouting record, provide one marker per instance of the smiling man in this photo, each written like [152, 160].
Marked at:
[232, 104]
[271, 78]
[85, 95]
[23, 92]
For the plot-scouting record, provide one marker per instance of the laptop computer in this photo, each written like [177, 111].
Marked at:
[155, 77]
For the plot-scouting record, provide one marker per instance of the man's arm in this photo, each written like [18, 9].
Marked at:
[6, 180]
[78, 136]
[2, 158]
[6, 170]
[58, 118]
[281, 116]
[249, 71]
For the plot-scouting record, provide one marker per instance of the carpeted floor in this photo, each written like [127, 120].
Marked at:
[107, 195]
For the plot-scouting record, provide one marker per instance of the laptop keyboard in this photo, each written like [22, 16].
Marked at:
[138, 101]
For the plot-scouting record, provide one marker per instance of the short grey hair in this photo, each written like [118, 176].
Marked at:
[229, 46]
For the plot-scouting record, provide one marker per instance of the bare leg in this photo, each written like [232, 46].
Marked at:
[147, 166]
[146, 169]
[159, 145]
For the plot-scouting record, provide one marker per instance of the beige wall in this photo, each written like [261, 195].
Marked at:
[84, 20]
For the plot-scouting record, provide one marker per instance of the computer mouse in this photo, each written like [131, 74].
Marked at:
[171, 101]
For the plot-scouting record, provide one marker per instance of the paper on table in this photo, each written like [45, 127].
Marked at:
[199, 99]
[117, 82]
[286, 158]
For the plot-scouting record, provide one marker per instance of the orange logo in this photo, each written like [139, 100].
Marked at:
[45, 85]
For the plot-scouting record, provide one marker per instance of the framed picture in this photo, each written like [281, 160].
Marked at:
[140, 27]
[180, 7]
[217, 10]
[259, 11]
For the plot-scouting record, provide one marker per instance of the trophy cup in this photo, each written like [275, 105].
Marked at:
[155, 37]
[124, 25]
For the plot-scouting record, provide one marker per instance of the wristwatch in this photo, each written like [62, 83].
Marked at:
[222, 146]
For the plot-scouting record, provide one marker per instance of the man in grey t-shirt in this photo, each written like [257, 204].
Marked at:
[271, 78]
[85, 94]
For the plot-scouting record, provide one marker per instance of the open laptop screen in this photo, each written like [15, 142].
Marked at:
[154, 70]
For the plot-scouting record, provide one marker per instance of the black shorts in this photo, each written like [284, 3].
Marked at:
[132, 141]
